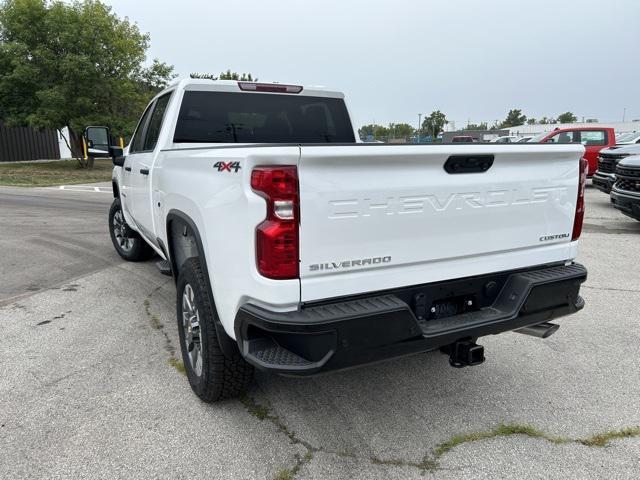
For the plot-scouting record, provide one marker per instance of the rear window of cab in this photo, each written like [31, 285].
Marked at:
[229, 117]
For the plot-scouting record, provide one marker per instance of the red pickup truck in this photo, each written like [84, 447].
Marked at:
[594, 139]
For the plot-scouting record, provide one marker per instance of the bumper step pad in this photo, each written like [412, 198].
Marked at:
[267, 352]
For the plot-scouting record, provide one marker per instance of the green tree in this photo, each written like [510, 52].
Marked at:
[228, 75]
[400, 130]
[244, 77]
[378, 132]
[477, 126]
[531, 121]
[514, 118]
[434, 123]
[567, 117]
[72, 65]
[547, 121]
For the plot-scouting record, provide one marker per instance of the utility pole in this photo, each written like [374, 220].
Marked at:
[419, 126]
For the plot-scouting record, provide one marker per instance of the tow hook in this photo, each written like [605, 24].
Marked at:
[465, 353]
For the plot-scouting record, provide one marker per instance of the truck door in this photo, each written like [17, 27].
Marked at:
[130, 176]
[141, 168]
[593, 141]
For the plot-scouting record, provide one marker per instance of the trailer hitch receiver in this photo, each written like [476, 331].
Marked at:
[465, 353]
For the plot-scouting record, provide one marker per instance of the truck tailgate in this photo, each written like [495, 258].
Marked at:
[376, 217]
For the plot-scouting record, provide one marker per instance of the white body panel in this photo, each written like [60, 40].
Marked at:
[226, 212]
[357, 202]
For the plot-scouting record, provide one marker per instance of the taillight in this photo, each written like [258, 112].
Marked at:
[277, 252]
[582, 183]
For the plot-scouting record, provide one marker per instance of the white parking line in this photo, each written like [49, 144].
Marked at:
[81, 188]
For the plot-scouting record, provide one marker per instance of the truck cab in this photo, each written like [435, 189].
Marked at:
[594, 139]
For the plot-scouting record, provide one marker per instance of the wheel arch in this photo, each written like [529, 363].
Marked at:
[183, 242]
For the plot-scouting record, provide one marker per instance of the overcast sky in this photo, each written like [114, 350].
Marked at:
[471, 59]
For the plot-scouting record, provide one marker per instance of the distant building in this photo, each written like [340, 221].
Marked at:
[528, 130]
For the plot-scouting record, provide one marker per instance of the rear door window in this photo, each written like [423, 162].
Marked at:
[227, 117]
[155, 123]
[137, 143]
[593, 137]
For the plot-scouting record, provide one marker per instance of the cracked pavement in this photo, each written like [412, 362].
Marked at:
[88, 388]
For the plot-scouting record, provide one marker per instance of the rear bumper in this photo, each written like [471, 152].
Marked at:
[603, 181]
[357, 330]
[627, 202]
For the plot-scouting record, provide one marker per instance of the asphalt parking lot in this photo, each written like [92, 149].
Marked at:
[89, 386]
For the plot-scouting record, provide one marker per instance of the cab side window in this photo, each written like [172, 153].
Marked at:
[593, 137]
[565, 137]
[155, 123]
[137, 143]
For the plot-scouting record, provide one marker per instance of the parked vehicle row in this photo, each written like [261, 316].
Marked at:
[625, 193]
[593, 138]
[618, 175]
[605, 175]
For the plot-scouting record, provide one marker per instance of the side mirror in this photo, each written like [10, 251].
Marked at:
[117, 156]
[97, 139]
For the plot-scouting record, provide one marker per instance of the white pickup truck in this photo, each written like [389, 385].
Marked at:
[297, 250]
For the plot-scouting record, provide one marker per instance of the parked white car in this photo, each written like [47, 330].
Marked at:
[297, 250]
[505, 139]
[628, 138]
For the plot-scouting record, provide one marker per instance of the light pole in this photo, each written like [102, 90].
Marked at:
[419, 126]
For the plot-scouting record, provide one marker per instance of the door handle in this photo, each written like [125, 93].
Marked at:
[128, 169]
[144, 171]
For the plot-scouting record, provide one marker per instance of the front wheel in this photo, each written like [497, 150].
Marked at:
[213, 376]
[127, 243]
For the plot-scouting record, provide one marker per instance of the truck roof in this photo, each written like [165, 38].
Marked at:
[203, 84]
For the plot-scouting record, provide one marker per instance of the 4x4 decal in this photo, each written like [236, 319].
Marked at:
[227, 166]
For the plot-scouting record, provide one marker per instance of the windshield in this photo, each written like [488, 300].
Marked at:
[627, 137]
[538, 138]
[225, 117]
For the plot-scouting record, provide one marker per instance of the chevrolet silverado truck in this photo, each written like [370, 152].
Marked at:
[605, 176]
[625, 194]
[297, 250]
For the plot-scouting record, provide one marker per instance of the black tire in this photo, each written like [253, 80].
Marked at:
[220, 376]
[128, 245]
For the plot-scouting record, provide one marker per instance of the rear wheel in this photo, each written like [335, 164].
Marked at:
[212, 375]
[127, 242]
